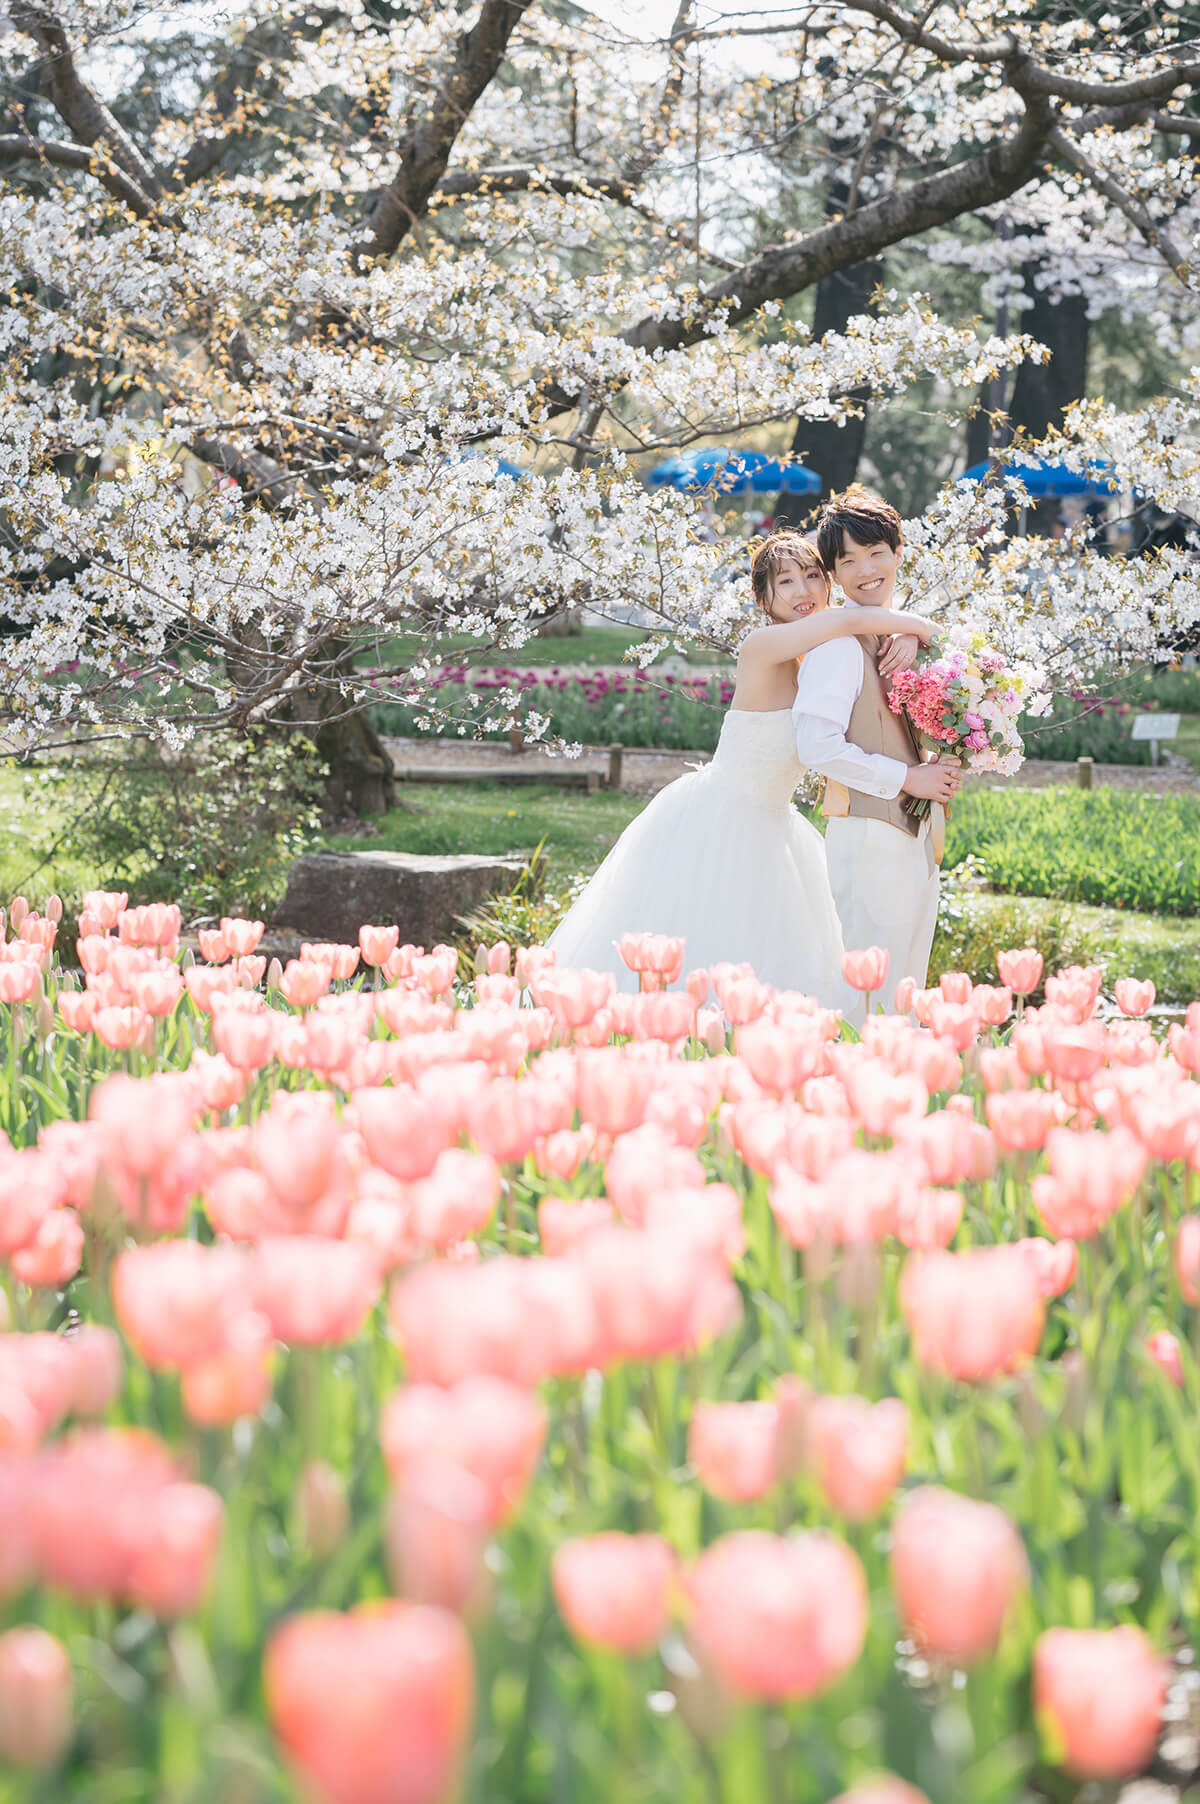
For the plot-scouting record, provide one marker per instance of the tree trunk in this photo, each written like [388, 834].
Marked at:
[1042, 392]
[362, 777]
[832, 451]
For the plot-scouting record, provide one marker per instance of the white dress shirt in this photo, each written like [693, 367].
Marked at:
[829, 683]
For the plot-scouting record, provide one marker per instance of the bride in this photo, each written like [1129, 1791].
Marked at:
[720, 858]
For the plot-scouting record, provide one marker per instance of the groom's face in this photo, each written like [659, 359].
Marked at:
[798, 589]
[867, 573]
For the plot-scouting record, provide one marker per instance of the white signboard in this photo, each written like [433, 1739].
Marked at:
[1155, 728]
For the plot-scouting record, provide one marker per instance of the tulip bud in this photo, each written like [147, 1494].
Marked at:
[322, 1510]
[481, 961]
[43, 1019]
[274, 976]
[17, 912]
[36, 1694]
[53, 909]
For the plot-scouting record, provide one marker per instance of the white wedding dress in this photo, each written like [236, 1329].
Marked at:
[721, 859]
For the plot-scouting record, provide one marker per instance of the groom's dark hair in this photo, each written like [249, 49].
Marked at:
[860, 516]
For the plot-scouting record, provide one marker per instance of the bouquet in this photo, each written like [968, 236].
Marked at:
[966, 699]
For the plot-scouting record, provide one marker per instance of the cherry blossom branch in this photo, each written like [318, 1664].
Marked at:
[1127, 203]
[427, 149]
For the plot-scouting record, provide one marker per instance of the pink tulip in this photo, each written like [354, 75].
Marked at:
[1163, 1349]
[1091, 1176]
[457, 1199]
[573, 997]
[78, 1009]
[654, 1292]
[234, 1378]
[1098, 1695]
[643, 1163]
[120, 1028]
[927, 1217]
[563, 1223]
[378, 943]
[106, 905]
[1020, 970]
[958, 1568]
[373, 1707]
[484, 1425]
[1134, 998]
[732, 1447]
[213, 945]
[51, 1259]
[36, 1698]
[98, 1368]
[1184, 1043]
[613, 1090]
[403, 1130]
[972, 1314]
[866, 970]
[30, 1189]
[174, 1299]
[955, 986]
[97, 1496]
[452, 1320]
[436, 1537]
[614, 1590]
[778, 1618]
[858, 1452]
[245, 1037]
[173, 1567]
[1021, 1119]
[1055, 1262]
[314, 1291]
[1001, 1069]
[992, 1004]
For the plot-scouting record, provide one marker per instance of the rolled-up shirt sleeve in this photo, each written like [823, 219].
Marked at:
[828, 686]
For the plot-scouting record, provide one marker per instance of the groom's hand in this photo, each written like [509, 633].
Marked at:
[937, 781]
[899, 653]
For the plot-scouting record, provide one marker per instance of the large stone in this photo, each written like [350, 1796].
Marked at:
[331, 894]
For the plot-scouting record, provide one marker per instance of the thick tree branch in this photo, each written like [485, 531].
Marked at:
[1031, 79]
[17, 149]
[88, 119]
[948, 50]
[513, 178]
[1127, 203]
[787, 269]
[426, 151]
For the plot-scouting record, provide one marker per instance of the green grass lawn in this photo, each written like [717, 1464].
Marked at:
[497, 821]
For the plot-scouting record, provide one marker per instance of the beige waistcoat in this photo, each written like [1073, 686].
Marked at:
[875, 728]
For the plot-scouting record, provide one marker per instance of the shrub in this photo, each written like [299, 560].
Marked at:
[212, 827]
[1112, 847]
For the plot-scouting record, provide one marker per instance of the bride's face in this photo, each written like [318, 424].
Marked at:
[799, 589]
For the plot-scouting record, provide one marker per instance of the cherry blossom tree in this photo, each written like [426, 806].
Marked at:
[277, 309]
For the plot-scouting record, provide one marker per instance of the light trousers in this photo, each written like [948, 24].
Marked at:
[885, 888]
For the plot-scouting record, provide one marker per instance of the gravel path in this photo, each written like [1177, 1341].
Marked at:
[645, 772]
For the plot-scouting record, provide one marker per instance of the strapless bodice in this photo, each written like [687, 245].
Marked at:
[756, 753]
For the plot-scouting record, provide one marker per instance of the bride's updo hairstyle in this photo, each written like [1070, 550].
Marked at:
[770, 553]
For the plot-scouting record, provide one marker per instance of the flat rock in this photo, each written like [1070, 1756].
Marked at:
[330, 895]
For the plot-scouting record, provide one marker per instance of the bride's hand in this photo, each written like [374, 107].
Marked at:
[900, 652]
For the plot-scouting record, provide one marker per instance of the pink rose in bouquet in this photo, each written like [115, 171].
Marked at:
[966, 699]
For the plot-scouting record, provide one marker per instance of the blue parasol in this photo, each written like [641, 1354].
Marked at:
[730, 472]
[1047, 480]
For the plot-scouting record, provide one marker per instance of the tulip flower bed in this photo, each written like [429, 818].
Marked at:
[601, 707]
[425, 1384]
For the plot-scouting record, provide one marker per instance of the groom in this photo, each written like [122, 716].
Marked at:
[882, 865]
